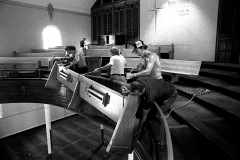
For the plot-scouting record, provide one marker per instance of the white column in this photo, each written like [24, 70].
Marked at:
[131, 156]
[1, 112]
[48, 127]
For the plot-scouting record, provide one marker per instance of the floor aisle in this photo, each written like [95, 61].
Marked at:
[74, 137]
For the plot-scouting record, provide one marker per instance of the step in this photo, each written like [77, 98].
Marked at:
[221, 66]
[221, 104]
[218, 130]
[232, 89]
[220, 74]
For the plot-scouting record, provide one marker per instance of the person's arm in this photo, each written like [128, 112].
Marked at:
[74, 62]
[142, 121]
[107, 66]
[145, 72]
[144, 116]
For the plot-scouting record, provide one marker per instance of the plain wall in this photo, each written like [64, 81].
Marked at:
[21, 27]
[191, 26]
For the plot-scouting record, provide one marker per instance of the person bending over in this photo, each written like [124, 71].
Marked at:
[78, 62]
[152, 90]
[117, 64]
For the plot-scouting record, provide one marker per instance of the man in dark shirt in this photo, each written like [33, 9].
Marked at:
[152, 90]
[82, 45]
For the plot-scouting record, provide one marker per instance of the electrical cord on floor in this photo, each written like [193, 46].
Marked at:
[194, 92]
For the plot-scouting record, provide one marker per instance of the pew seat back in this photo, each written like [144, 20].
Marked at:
[43, 54]
[39, 50]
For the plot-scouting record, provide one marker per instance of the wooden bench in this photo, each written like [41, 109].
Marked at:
[174, 68]
[43, 54]
[45, 61]
[39, 50]
[5, 69]
[46, 64]
[58, 47]
[92, 46]
[20, 69]
[98, 52]
[164, 51]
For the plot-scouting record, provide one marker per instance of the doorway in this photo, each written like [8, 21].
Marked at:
[228, 32]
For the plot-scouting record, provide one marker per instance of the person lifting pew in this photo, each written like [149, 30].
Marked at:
[78, 64]
[150, 65]
[116, 64]
[151, 90]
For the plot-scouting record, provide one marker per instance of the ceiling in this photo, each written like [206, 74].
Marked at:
[83, 6]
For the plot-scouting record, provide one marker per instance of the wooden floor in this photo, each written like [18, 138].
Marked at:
[74, 137]
[78, 138]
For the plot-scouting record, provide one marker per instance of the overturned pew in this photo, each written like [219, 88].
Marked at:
[88, 93]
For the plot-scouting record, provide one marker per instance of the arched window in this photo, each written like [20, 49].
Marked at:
[51, 37]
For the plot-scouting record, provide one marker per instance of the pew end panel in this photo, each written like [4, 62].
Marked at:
[52, 81]
[67, 77]
[106, 100]
[123, 136]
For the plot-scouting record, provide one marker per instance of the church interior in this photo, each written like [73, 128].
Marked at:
[49, 112]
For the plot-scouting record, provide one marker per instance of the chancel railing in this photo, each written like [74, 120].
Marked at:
[165, 133]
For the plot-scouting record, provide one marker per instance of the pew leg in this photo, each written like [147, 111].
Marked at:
[131, 156]
[102, 133]
[174, 78]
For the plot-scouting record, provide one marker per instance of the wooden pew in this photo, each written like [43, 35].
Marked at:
[26, 69]
[110, 103]
[44, 60]
[20, 69]
[39, 50]
[58, 47]
[43, 54]
[174, 68]
[5, 69]
[93, 46]
[164, 51]
[98, 52]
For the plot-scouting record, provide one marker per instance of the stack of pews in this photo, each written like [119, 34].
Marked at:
[34, 64]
